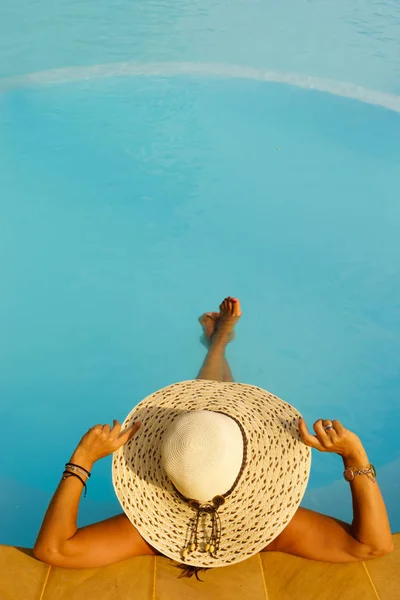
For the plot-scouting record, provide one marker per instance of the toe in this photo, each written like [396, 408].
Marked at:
[236, 307]
[229, 306]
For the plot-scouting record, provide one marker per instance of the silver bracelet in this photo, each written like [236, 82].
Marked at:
[350, 473]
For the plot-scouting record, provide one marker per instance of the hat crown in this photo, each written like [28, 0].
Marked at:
[202, 454]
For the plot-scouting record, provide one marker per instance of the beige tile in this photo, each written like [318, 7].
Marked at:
[22, 577]
[385, 573]
[291, 578]
[287, 578]
[129, 580]
[242, 581]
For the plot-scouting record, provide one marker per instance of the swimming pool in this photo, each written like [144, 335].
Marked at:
[137, 194]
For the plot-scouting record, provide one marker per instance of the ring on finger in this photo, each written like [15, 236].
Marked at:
[328, 427]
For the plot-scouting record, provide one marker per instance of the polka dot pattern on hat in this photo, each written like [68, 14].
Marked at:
[266, 496]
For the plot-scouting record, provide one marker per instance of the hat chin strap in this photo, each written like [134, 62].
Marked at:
[214, 539]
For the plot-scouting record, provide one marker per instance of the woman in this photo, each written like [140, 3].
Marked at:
[306, 533]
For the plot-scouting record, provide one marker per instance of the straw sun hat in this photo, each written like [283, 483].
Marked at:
[214, 474]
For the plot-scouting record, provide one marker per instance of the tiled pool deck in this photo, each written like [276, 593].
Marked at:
[271, 576]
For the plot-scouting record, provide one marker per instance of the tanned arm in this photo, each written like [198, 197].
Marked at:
[60, 542]
[319, 537]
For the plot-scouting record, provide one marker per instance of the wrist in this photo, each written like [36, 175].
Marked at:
[81, 458]
[355, 457]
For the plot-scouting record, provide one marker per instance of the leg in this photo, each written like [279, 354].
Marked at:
[214, 363]
[227, 372]
[209, 322]
[218, 332]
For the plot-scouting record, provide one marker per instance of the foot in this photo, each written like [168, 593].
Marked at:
[212, 321]
[229, 315]
[209, 323]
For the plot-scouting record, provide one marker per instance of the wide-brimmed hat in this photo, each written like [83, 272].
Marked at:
[234, 446]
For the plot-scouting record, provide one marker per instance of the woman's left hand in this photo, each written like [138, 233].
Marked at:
[102, 440]
[331, 436]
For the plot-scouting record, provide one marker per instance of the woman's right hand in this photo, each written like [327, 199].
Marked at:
[336, 439]
[100, 441]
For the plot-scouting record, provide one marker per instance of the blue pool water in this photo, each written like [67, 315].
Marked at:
[131, 204]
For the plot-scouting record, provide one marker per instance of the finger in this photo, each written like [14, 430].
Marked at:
[308, 438]
[116, 430]
[331, 433]
[128, 434]
[106, 428]
[322, 435]
[97, 428]
[338, 427]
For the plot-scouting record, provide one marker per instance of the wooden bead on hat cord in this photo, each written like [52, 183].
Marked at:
[214, 540]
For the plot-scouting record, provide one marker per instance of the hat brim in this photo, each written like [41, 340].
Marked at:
[264, 500]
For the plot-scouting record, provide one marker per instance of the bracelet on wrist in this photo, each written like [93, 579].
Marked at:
[350, 472]
[67, 474]
[74, 470]
[78, 469]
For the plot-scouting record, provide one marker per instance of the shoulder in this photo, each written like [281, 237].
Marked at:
[283, 541]
[122, 526]
[318, 537]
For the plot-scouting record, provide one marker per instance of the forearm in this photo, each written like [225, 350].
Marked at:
[370, 524]
[60, 521]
